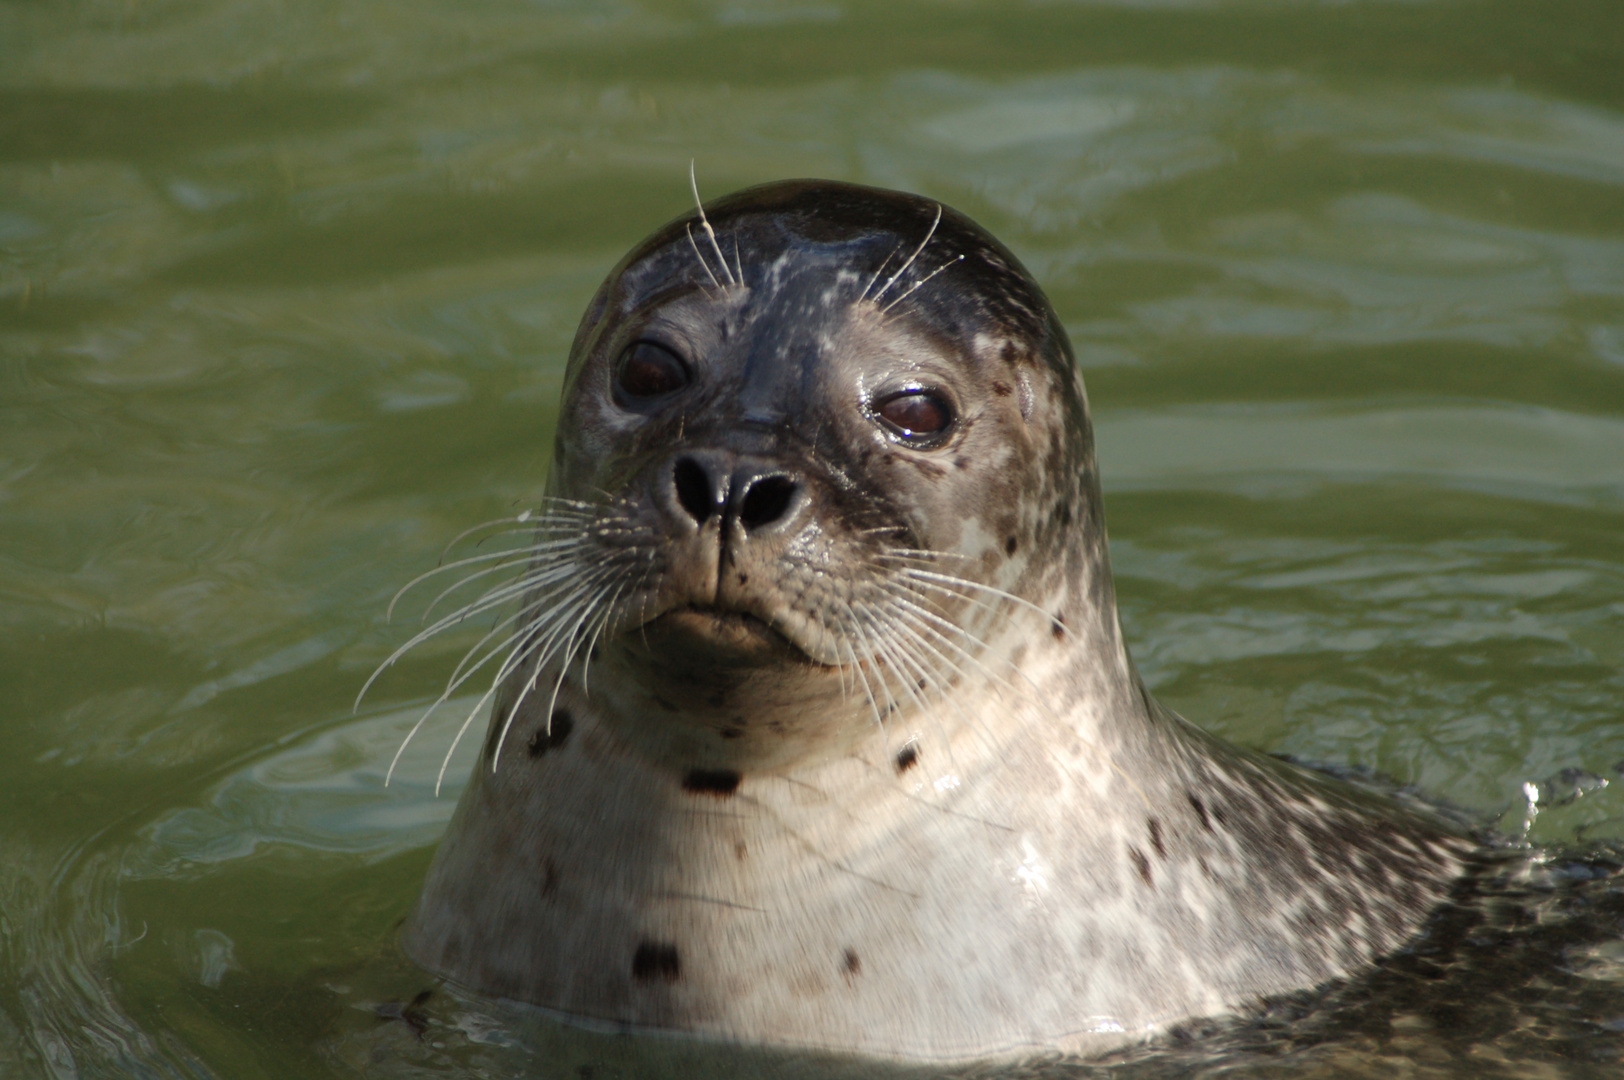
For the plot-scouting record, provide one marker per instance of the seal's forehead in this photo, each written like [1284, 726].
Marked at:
[866, 232]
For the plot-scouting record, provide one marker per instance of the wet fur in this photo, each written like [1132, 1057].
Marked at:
[882, 780]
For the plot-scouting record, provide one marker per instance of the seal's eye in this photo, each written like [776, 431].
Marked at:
[916, 415]
[648, 370]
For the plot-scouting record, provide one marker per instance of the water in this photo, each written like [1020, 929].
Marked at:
[285, 294]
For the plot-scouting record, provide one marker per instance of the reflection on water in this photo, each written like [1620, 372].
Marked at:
[285, 292]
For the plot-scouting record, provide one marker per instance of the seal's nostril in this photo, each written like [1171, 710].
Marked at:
[694, 490]
[766, 501]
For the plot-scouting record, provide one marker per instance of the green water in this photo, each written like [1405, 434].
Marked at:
[285, 295]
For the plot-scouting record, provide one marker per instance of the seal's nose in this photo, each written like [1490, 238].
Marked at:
[754, 494]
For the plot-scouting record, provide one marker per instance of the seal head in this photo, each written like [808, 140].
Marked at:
[817, 728]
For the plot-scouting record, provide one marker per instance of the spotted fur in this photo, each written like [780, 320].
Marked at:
[873, 772]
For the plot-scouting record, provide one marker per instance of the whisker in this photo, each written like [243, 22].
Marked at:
[904, 267]
[704, 222]
[572, 643]
[519, 655]
[702, 262]
[518, 553]
[883, 264]
[946, 580]
[921, 282]
[465, 671]
[1036, 694]
[444, 622]
[934, 681]
[557, 553]
[573, 507]
[586, 662]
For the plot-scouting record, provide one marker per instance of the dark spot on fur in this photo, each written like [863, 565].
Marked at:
[1200, 810]
[961, 462]
[744, 579]
[853, 965]
[1001, 389]
[1065, 516]
[740, 850]
[1156, 837]
[721, 782]
[1218, 815]
[656, 960]
[907, 757]
[732, 732]
[1058, 627]
[1010, 545]
[553, 735]
[549, 877]
[1141, 864]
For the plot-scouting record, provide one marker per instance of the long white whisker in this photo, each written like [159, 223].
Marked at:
[572, 643]
[704, 222]
[928, 677]
[861, 677]
[949, 580]
[525, 558]
[883, 264]
[904, 267]
[919, 554]
[1036, 694]
[518, 553]
[515, 658]
[886, 645]
[540, 653]
[922, 281]
[445, 695]
[876, 663]
[522, 640]
[592, 643]
[461, 676]
[518, 519]
[692, 243]
[492, 599]
[445, 763]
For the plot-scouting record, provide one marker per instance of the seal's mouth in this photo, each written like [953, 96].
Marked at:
[717, 635]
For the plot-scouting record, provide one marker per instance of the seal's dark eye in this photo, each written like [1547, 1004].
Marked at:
[648, 370]
[916, 415]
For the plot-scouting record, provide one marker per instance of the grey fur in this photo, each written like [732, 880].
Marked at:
[874, 774]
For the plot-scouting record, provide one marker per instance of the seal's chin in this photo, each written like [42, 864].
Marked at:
[711, 636]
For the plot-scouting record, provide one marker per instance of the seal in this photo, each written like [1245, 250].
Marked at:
[815, 726]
